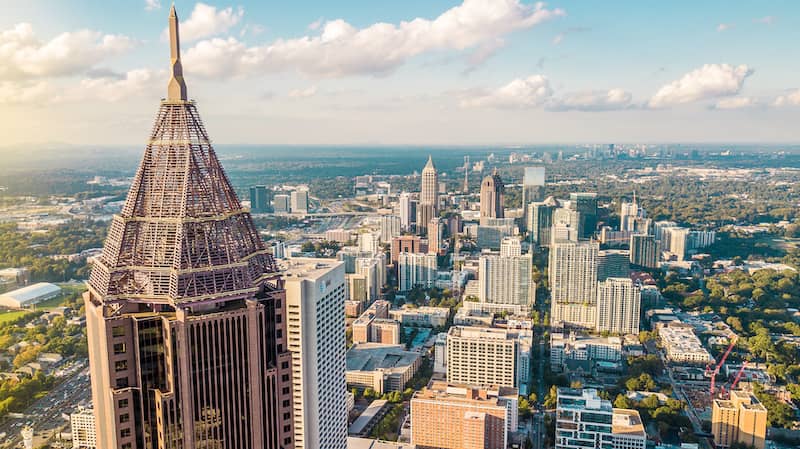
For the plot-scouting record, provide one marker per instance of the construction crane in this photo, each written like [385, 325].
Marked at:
[738, 376]
[719, 365]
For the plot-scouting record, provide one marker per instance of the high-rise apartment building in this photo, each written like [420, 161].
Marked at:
[83, 429]
[506, 280]
[492, 197]
[573, 283]
[435, 235]
[281, 203]
[260, 201]
[489, 356]
[540, 223]
[510, 247]
[584, 420]
[740, 419]
[390, 227]
[676, 241]
[532, 186]
[186, 311]
[644, 251]
[585, 203]
[315, 295]
[613, 263]
[408, 216]
[416, 270]
[406, 244]
[618, 306]
[428, 207]
[631, 216]
[463, 417]
[567, 225]
[299, 199]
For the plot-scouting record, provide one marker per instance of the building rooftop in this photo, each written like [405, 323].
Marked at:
[367, 443]
[627, 422]
[490, 395]
[298, 268]
[374, 356]
[26, 294]
[366, 417]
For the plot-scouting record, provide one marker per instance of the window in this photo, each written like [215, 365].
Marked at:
[119, 348]
[122, 382]
[122, 403]
[123, 418]
[126, 446]
[118, 331]
[120, 365]
[285, 378]
[285, 365]
[125, 433]
[287, 441]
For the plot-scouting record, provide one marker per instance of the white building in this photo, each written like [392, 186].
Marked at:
[573, 283]
[28, 296]
[407, 213]
[618, 304]
[416, 269]
[506, 280]
[510, 247]
[315, 295]
[299, 202]
[440, 353]
[682, 345]
[390, 227]
[83, 428]
[584, 420]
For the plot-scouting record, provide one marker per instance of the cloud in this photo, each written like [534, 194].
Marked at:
[590, 101]
[152, 5]
[574, 30]
[766, 20]
[24, 56]
[251, 29]
[206, 21]
[25, 92]
[340, 49]
[791, 98]
[303, 93]
[737, 103]
[707, 82]
[724, 27]
[315, 24]
[530, 92]
[113, 88]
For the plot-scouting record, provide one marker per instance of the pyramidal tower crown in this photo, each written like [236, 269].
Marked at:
[182, 235]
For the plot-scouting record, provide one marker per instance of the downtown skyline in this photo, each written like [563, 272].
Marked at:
[418, 73]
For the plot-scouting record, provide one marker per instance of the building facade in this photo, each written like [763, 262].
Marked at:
[740, 419]
[416, 270]
[83, 429]
[492, 197]
[618, 306]
[644, 251]
[573, 283]
[489, 356]
[506, 280]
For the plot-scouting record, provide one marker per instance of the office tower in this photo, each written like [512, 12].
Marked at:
[281, 203]
[567, 224]
[532, 185]
[260, 200]
[741, 419]
[613, 263]
[416, 269]
[489, 356]
[573, 283]
[618, 306]
[390, 227]
[466, 174]
[299, 201]
[406, 244]
[510, 247]
[407, 216]
[644, 251]
[83, 429]
[428, 207]
[435, 235]
[315, 295]
[630, 215]
[185, 307]
[676, 241]
[584, 420]
[540, 223]
[357, 287]
[374, 272]
[659, 226]
[586, 204]
[463, 417]
[492, 197]
[506, 280]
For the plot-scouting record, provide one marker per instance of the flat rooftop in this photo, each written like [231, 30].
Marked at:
[373, 356]
[306, 267]
[627, 422]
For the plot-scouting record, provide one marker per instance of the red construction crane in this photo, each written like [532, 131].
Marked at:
[738, 376]
[719, 365]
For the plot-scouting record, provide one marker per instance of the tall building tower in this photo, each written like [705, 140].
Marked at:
[315, 295]
[185, 308]
[644, 251]
[741, 419]
[260, 200]
[540, 223]
[618, 303]
[510, 247]
[408, 212]
[492, 197]
[532, 186]
[573, 282]
[299, 200]
[428, 206]
[466, 174]
[586, 204]
[435, 235]
[506, 280]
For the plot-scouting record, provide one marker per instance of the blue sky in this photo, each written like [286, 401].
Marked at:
[417, 72]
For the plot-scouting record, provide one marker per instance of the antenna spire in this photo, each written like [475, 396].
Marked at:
[176, 89]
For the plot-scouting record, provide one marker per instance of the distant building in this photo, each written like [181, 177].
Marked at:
[390, 227]
[644, 251]
[408, 211]
[428, 207]
[362, 327]
[315, 296]
[613, 263]
[281, 203]
[741, 419]
[681, 345]
[676, 241]
[532, 185]
[260, 200]
[585, 204]
[31, 295]
[299, 200]
[424, 316]
[566, 225]
[406, 244]
[492, 197]
[573, 283]
[580, 348]
[618, 306]
[506, 280]
[383, 368]
[435, 235]
[339, 235]
[450, 416]
[540, 222]
[510, 247]
[83, 429]
[416, 270]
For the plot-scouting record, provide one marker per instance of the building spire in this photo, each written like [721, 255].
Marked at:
[176, 89]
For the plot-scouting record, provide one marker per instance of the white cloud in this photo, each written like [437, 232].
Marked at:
[303, 93]
[340, 49]
[27, 92]
[114, 89]
[707, 82]
[791, 98]
[613, 99]
[766, 20]
[736, 103]
[724, 27]
[152, 5]
[252, 29]
[206, 20]
[530, 92]
[23, 55]
[315, 24]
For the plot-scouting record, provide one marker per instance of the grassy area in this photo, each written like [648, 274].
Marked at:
[11, 315]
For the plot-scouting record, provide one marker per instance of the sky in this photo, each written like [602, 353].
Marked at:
[421, 72]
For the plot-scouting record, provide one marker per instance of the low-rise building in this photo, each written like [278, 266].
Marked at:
[383, 368]
[576, 347]
[31, 295]
[421, 316]
[83, 428]
[584, 420]
[681, 345]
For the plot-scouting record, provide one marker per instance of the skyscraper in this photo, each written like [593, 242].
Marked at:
[618, 303]
[532, 187]
[540, 223]
[299, 200]
[260, 200]
[644, 251]
[435, 235]
[506, 280]
[185, 308]
[429, 197]
[315, 296]
[586, 204]
[573, 282]
[492, 197]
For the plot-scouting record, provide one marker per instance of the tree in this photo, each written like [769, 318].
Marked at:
[524, 407]
[622, 401]
[551, 399]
